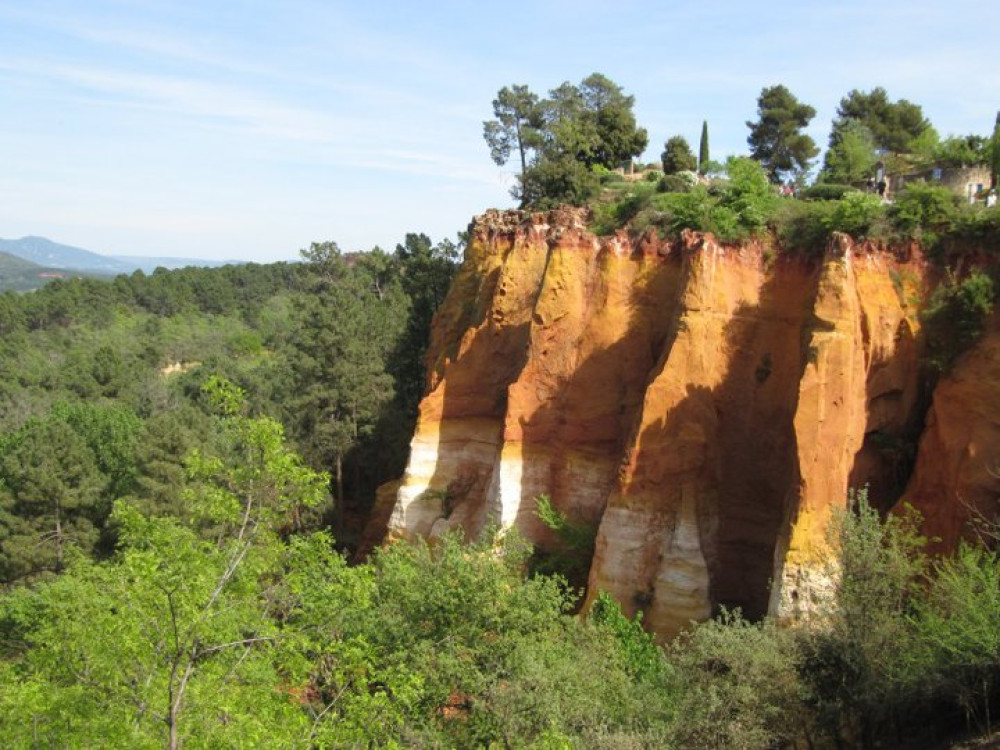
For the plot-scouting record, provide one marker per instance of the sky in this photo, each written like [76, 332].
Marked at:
[248, 130]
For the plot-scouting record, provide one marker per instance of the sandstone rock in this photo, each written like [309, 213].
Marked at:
[704, 407]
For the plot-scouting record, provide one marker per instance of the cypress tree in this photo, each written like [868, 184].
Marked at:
[703, 147]
[995, 156]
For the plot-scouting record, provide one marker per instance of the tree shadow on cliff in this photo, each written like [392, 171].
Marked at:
[574, 440]
[731, 445]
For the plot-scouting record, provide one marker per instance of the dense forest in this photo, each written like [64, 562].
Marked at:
[185, 458]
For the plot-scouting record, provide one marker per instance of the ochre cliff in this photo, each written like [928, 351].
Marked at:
[704, 408]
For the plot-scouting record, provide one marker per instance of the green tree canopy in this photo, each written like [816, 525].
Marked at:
[518, 118]
[567, 134]
[776, 138]
[677, 156]
[851, 157]
[893, 124]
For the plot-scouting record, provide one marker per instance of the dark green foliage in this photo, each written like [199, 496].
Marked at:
[673, 183]
[677, 156]
[576, 130]
[703, 153]
[955, 316]
[893, 125]
[518, 121]
[776, 138]
[575, 544]
[995, 155]
[803, 227]
[825, 191]
[856, 668]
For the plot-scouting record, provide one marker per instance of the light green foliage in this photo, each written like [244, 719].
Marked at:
[962, 151]
[921, 209]
[851, 158]
[749, 194]
[643, 658]
[737, 685]
[856, 213]
[776, 138]
[170, 641]
[677, 156]
[957, 627]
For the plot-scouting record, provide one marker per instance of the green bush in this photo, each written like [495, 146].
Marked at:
[955, 316]
[856, 666]
[921, 209]
[803, 226]
[674, 183]
[825, 191]
[738, 685]
[748, 194]
[958, 631]
[855, 214]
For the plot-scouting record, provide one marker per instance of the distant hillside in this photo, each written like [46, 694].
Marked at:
[45, 252]
[21, 275]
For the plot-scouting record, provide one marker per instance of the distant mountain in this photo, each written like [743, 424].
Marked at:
[53, 255]
[21, 275]
[45, 252]
[148, 265]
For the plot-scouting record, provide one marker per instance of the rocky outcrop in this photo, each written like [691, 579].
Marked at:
[704, 408]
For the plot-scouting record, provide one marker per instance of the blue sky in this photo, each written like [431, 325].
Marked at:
[249, 129]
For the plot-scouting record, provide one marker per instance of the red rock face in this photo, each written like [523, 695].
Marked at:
[704, 408]
[956, 481]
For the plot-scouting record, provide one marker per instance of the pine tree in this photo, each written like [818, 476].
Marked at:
[703, 148]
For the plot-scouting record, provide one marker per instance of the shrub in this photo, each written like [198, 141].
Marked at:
[855, 214]
[737, 685]
[856, 666]
[921, 208]
[958, 631]
[674, 183]
[749, 194]
[826, 191]
[803, 226]
[955, 316]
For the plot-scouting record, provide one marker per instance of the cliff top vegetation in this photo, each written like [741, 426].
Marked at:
[578, 146]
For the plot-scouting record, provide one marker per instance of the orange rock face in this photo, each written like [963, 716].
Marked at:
[956, 481]
[703, 408]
